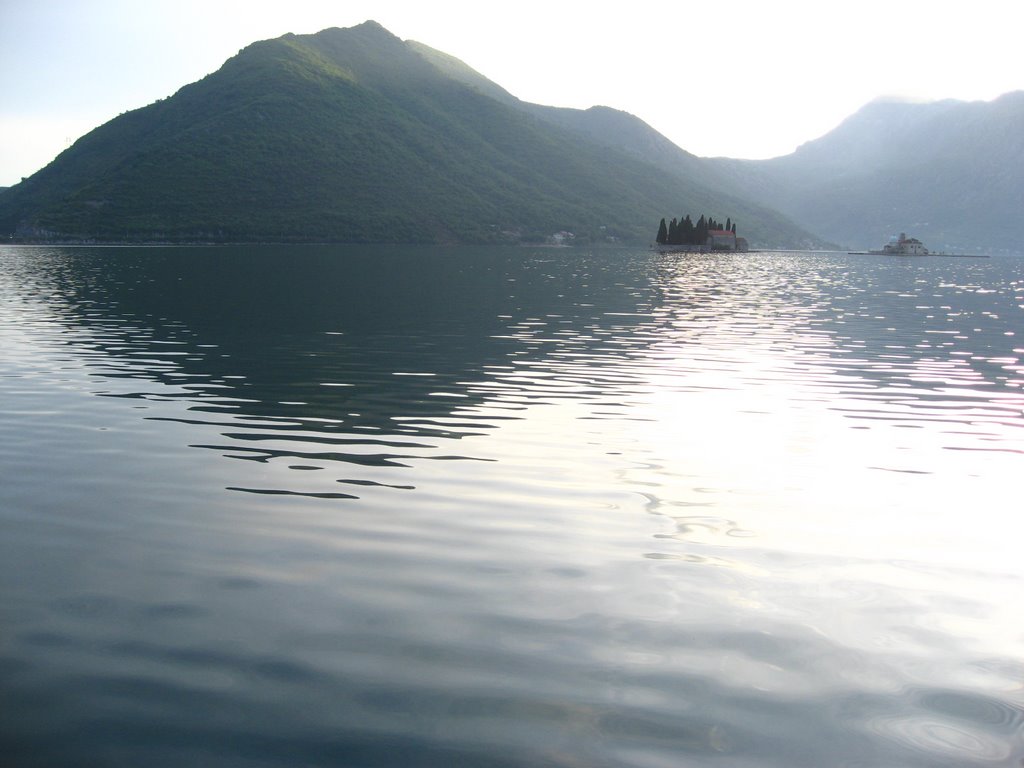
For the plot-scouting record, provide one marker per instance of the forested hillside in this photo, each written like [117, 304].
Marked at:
[353, 135]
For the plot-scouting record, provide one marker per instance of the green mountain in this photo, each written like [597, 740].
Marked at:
[950, 173]
[620, 131]
[354, 135]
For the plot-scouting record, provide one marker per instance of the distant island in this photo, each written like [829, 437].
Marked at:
[706, 235]
[909, 246]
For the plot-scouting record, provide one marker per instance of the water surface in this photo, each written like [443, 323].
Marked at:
[425, 507]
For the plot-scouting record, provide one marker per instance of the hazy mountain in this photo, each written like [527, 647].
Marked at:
[354, 135]
[950, 173]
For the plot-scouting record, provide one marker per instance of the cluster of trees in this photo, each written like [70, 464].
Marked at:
[685, 232]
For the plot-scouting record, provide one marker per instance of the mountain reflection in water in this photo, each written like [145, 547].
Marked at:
[418, 506]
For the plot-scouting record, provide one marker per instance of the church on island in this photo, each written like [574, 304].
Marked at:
[704, 236]
[905, 246]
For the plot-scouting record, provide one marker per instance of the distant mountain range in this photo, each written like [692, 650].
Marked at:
[354, 135]
[950, 173]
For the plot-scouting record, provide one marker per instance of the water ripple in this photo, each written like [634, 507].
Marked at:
[509, 508]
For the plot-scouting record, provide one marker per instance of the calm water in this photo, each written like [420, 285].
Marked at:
[386, 507]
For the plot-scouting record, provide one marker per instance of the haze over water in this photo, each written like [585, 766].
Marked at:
[509, 507]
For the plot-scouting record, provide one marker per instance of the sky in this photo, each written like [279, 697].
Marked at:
[736, 78]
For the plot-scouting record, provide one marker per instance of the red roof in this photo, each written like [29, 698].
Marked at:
[718, 232]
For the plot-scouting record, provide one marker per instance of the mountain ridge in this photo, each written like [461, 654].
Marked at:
[886, 168]
[353, 135]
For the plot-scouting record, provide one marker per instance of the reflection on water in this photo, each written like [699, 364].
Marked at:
[504, 507]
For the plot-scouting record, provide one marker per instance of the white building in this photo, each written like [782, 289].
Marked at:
[905, 246]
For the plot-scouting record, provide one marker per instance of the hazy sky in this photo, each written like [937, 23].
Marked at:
[742, 78]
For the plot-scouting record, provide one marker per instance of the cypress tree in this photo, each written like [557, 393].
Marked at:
[688, 234]
[662, 233]
[702, 230]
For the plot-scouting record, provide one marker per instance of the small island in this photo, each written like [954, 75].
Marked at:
[908, 246]
[682, 235]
